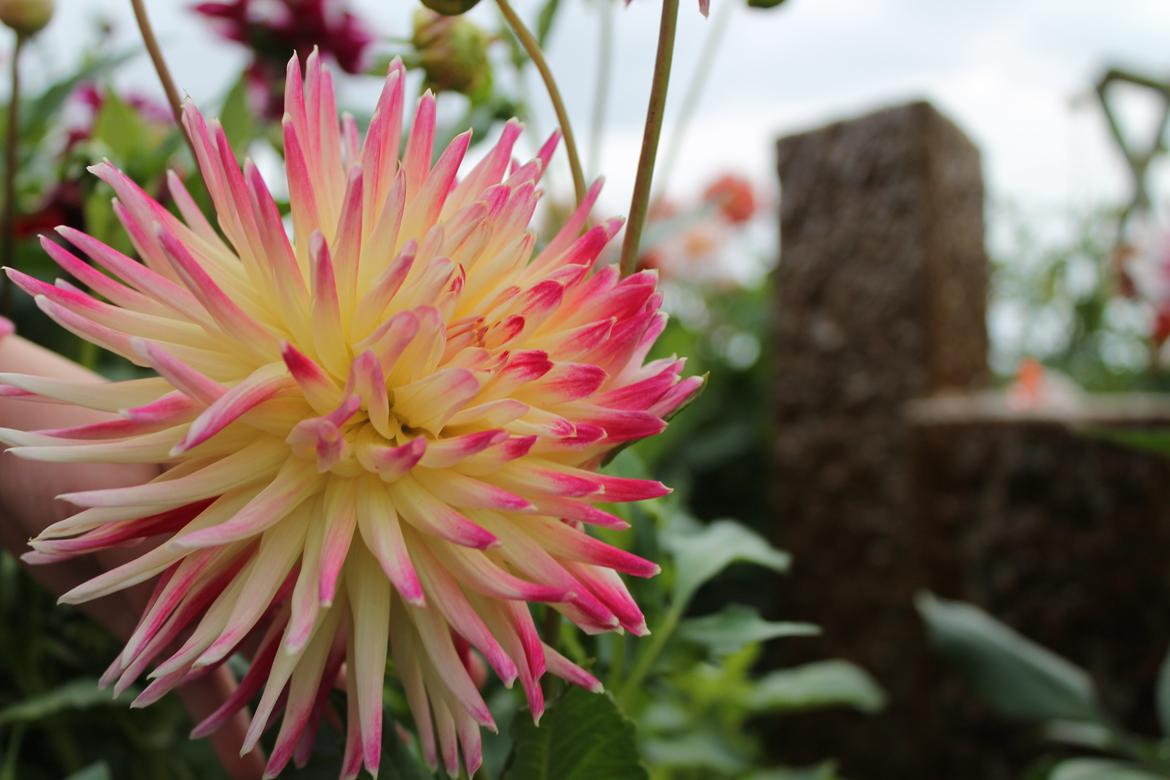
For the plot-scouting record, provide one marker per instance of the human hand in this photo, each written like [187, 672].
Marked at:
[27, 505]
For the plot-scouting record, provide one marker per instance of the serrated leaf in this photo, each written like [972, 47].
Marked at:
[699, 557]
[1099, 769]
[1013, 674]
[583, 736]
[75, 695]
[817, 685]
[736, 626]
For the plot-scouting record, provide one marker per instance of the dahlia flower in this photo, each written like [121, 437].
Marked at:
[382, 435]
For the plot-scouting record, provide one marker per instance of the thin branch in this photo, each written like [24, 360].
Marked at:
[160, 67]
[537, 56]
[640, 202]
[11, 149]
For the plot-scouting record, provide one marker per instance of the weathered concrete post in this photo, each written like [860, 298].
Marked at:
[1057, 532]
[881, 299]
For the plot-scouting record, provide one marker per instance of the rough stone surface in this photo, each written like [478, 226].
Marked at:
[881, 299]
[1064, 537]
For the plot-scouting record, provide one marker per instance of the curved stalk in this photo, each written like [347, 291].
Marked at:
[640, 202]
[11, 149]
[160, 67]
[524, 35]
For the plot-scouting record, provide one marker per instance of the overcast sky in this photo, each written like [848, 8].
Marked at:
[1009, 72]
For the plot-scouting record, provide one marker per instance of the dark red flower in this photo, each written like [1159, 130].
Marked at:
[273, 29]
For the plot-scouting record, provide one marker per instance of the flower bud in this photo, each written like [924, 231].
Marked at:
[26, 17]
[450, 7]
[452, 51]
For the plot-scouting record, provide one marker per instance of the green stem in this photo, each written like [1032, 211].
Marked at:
[537, 56]
[11, 149]
[601, 89]
[645, 660]
[703, 67]
[160, 67]
[640, 202]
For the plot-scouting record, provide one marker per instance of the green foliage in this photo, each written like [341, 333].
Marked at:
[816, 686]
[700, 556]
[1150, 440]
[76, 695]
[1056, 298]
[545, 19]
[1099, 769]
[239, 121]
[1018, 677]
[99, 770]
[825, 771]
[582, 736]
[736, 626]
[765, 4]
[1162, 695]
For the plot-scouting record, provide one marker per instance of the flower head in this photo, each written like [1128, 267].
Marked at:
[26, 17]
[382, 434]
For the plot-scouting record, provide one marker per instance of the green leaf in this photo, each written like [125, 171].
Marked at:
[1150, 440]
[692, 751]
[816, 686]
[75, 695]
[545, 19]
[765, 4]
[699, 557]
[237, 118]
[99, 770]
[825, 771]
[737, 625]
[39, 113]
[1162, 695]
[1099, 769]
[450, 7]
[583, 736]
[1013, 674]
[120, 127]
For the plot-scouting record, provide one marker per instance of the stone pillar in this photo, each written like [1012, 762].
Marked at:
[881, 298]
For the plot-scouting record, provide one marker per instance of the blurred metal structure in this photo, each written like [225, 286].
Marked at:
[1137, 159]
